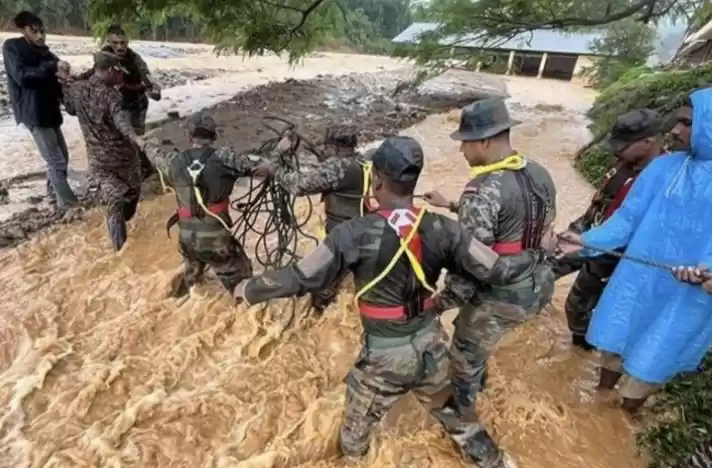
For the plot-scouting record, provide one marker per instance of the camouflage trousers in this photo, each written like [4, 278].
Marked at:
[586, 291]
[119, 190]
[385, 371]
[480, 326]
[227, 258]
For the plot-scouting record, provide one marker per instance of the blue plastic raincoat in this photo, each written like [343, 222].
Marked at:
[658, 325]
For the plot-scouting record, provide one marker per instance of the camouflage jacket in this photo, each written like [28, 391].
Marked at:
[242, 163]
[106, 126]
[326, 177]
[492, 211]
[356, 246]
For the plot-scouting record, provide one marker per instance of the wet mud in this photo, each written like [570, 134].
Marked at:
[364, 99]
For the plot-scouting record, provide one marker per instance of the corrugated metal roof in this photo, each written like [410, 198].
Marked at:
[542, 40]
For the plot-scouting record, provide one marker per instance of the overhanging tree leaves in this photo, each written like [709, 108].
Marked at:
[626, 44]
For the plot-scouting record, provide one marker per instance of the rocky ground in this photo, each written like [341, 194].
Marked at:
[364, 99]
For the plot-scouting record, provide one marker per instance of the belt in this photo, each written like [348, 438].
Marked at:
[507, 248]
[385, 342]
[377, 312]
[221, 207]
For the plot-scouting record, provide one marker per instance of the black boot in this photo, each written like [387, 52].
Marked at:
[117, 231]
[633, 405]
[608, 379]
[580, 341]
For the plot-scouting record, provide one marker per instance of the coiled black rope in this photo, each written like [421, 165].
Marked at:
[278, 229]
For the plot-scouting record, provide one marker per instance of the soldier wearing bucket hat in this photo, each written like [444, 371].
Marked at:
[405, 348]
[509, 205]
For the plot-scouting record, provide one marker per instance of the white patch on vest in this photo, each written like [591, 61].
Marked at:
[483, 254]
[401, 218]
[313, 263]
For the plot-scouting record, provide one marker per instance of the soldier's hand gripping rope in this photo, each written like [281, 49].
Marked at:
[268, 209]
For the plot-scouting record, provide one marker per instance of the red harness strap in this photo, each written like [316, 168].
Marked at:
[221, 207]
[618, 199]
[404, 221]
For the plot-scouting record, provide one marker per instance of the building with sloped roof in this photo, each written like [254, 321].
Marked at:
[541, 53]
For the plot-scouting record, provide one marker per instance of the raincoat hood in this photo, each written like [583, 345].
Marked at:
[701, 136]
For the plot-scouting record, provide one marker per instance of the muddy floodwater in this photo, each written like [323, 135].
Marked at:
[99, 369]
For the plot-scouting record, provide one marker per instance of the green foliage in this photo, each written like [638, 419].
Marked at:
[488, 23]
[684, 419]
[663, 91]
[626, 44]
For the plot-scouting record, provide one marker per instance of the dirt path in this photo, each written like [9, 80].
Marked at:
[109, 373]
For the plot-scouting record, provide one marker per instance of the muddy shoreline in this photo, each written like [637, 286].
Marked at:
[363, 99]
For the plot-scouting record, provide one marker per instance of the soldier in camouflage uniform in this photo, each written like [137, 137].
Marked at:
[202, 179]
[339, 179]
[635, 141]
[510, 205]
[137, 86]
[405, 348]
[110, 139]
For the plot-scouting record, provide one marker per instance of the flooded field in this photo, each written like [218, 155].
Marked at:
[99, 369]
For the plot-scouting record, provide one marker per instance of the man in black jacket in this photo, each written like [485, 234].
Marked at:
[35, 95]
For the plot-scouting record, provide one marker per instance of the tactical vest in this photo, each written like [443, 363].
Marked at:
[614, 188]
[347, 201]
[214, 181]
[538, 197]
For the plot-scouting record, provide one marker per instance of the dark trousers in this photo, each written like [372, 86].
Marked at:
[229, 261]
[586, 291]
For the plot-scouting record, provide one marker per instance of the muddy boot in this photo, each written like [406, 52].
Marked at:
[580, 341]
[483, 451]
[608, 379]
[633, 405]
[178, 288]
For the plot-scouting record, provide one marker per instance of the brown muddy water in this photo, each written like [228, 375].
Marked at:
[98, 369]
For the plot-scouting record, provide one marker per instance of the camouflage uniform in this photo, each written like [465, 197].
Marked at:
[509, 210]
[204, 240]
[405, 348]
[137, 81]
[595, 272]
[109, 138]
[339, 180]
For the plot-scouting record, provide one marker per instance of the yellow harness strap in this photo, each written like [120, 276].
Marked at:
[415, 264]
[166, 188]
[366, 192]
[366, 168]
[511, 163]
[194, 170]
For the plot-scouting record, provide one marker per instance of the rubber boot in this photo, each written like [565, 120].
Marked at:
[608, 379]
[483, 451]
[580, 341]
[117, 231]
[633, 405]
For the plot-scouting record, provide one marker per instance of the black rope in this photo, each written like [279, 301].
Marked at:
[278, 229]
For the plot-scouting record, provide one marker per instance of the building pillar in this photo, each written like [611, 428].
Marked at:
[542, 64]
[510, 63]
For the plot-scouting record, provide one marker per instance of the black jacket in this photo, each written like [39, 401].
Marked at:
[34, 91]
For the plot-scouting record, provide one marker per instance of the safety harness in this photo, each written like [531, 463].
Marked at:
[405, 223]
[535, 203]
[192, 204]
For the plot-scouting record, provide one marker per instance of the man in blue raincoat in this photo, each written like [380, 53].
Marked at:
[648, 325]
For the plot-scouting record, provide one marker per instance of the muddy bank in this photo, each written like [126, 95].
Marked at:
[363, 99]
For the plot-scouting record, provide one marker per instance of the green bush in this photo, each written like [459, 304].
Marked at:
[663, 91]
[683, 413]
